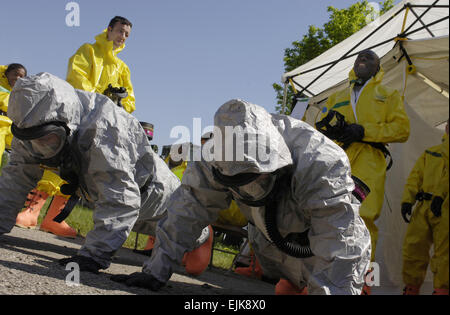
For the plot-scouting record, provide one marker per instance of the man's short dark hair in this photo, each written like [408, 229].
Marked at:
[121, 20]
[15, 66]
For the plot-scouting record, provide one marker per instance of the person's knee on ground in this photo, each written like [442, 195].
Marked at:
[252, 271]
[286, 287]
[197, 261]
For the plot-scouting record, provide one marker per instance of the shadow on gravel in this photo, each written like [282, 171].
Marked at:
[48, 266]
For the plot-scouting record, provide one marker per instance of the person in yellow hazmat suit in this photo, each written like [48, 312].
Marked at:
[95, 66]
[8, 77]
[92, 68]
[427, 185]
[367, 115]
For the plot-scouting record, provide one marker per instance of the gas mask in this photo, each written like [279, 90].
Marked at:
[46, 143]
[49, 145]
[266, 190]
[250, 188]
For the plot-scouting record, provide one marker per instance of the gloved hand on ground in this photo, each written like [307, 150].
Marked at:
[139, 279]
[406, 210]
[85, 263]
[436, 206]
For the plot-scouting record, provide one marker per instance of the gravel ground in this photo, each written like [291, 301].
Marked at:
[28, 266]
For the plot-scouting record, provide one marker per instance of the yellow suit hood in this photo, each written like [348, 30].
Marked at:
[107, 45]
[376, 79]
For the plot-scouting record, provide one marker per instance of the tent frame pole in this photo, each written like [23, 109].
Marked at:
[403, 34]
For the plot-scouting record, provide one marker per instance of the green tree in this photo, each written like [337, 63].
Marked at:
[342, 23]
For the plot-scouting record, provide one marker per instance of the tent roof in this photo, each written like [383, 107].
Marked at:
[332, 67]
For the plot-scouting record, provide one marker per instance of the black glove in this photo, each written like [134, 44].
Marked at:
[85, 263]
[436, 206]
[351, 133]
[139, 279]
[406, 210]
[116, 94]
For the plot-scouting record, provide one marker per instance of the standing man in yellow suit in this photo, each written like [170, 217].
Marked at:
[428, 185]
[95, 66]
[92, 68]
[374, 116]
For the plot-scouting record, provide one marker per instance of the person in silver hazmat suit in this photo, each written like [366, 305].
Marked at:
[98, 148]
[293, 185]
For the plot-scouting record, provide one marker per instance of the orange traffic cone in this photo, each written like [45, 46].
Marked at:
[411, 290]
[440, 292]
[197, 261]
[252, 271]
[28, 218]
[366, 290]
[285, 287]
[60, 229]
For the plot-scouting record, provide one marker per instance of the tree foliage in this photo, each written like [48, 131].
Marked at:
[341, 24]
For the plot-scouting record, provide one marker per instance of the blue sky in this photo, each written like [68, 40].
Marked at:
[187, 57]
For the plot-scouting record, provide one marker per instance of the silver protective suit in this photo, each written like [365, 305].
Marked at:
[320, 199]
[118, 170]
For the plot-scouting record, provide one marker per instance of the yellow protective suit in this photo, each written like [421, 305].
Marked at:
[95, 66]
[5, 123]
[429, 175]
[231, 216]
[380, 110]
[51, 184]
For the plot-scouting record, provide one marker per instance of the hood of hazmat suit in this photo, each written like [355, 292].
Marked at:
[105, 149]
[315, 198]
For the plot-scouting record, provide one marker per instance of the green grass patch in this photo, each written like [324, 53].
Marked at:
[221, 259]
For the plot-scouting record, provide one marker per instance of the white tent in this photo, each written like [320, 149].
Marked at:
[418, 67]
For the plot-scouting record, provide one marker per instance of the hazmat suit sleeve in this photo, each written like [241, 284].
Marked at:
[110, 180]
[124, 80]
[414, 181]
[18, 178]
[339, 239]
[79, 69]
[443, 186]
[4, 98]
[193, 206]
[396, 126]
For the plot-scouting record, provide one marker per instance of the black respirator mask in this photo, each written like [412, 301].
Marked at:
[251, 189]
[46, 143]
[49, 145]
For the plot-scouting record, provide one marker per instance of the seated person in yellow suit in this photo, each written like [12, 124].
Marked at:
[92, 68]
[374, 116]
[8, 77]
[428, 185]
